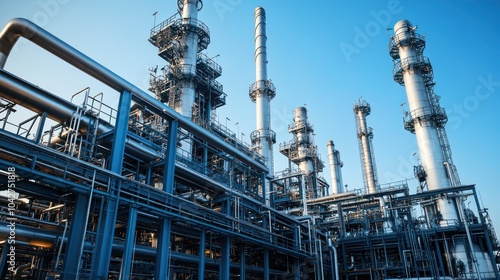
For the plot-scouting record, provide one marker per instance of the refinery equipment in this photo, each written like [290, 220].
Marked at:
[157, 188]
[336, 164]
[261, 92]
[365, 136]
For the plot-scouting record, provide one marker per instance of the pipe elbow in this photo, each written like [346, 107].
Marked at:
[14, 29]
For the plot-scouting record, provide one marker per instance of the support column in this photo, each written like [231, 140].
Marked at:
[297, 269]
[243, 260]
[163, 249]
[224, 269]
[106, 232]
[73, 252]
[441, 270]
[128, 252]
[266, 264]
[3, 260]
[201, 265]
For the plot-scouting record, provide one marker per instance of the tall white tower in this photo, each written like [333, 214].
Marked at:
[261, 92]
[426, 119]
[365, 135]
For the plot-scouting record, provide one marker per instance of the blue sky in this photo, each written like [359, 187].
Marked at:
[323, 56]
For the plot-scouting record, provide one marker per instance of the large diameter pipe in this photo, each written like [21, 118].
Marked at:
[335, 168]
[431, 153]
[22, 27]
[262, 99]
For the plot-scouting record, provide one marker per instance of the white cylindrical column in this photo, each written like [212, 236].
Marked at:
[413, 65]
[302, 134]
[188, 59]
[336, 186]
[261, 92]
[361, 110]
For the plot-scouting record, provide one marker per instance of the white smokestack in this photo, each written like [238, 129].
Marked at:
[261, 92]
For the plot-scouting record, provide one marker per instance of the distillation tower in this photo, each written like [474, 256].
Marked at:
[188, 82]
[427, 120]
[336, 185]
[262, 91]
[302, 151]
[365, 136]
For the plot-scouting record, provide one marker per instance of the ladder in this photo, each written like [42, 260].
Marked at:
[94, 106]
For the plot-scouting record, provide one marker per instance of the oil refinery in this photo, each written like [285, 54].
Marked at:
[158, 188]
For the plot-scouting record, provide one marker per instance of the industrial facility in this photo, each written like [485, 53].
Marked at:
[158, 188]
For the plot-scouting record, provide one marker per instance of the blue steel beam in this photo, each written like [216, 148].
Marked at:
[76, 238]
[201, 265]
[107, 228]
[28, 148]
[243, 262]
[224, 268]
[162, 270]
[3, 260]
[128, 250]
[266, 264]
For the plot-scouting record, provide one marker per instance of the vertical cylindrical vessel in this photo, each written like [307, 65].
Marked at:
[188, 59]
[365, 136]
[426, 118]
[335, 169]
[302, 135]
[261, 92]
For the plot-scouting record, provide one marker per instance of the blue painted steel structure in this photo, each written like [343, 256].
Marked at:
[113, 193]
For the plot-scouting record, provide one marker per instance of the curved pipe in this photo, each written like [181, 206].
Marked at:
[18, 27]
[20, 269]
[334, 259]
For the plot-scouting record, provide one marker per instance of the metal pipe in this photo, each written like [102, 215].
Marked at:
[336, 261]
[23, 27]
[335, 168]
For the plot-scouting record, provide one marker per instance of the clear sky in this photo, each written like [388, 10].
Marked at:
[324, 55]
